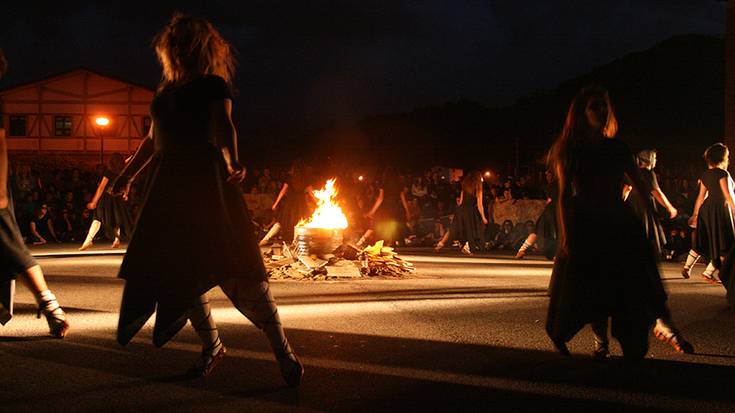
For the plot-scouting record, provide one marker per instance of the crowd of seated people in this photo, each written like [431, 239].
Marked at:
[50, 203]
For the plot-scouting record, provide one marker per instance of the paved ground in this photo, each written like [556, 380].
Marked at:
[465, 335]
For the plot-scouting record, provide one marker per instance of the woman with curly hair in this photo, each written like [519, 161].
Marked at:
[193, 149]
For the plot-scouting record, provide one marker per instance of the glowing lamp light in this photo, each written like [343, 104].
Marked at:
[102, 121]
[488, 174]
[360, 178]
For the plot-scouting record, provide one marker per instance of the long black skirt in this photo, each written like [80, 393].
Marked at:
[651, 223]
[547, 231]
[715, 233]
[594, 280]
[467, 225]
[113, 212]
[15, 258]
[193, 233]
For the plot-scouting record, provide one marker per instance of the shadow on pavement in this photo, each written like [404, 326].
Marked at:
[349, 372]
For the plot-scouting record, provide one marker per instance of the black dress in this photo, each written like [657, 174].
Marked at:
[193, 231]
[293, 207]
[467, 223]
[546, 226]
[112, 211]
[15, 258]
[593, 279]
[648, 215]
[390, 219]
[715, 233]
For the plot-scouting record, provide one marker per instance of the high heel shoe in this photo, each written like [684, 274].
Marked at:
[207, 362]
[56, 319]
[86, 245]
[115, 244]
[520, 255]
[291, 368]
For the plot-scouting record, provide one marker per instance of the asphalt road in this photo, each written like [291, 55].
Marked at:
[464, 334]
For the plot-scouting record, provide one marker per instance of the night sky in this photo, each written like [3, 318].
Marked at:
[331, 62]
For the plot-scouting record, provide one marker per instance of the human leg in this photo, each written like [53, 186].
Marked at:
[200, 316]
[93, 229]
[47, 303]
[256, 302]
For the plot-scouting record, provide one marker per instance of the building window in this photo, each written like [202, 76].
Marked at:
[62, 125]
[146, 125]
[17, 125]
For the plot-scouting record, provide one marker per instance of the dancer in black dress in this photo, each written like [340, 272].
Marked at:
[389, 212]
[468, 224]
[713, 213]
[644, 205]
[193, 149]
[110, 209]
[590, 282]
[291, 205]
[15, 258]
[546, 231]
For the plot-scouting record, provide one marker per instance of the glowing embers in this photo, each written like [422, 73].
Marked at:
[328, 214]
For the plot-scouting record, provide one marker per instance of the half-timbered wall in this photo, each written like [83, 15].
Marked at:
[80, 96]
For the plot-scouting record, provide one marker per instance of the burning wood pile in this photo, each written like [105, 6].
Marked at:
[319, 253]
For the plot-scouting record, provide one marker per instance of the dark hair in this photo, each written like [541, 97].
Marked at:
[3, 64]
[576, 127]
[472, 183]
[716, 154]
[192, 46]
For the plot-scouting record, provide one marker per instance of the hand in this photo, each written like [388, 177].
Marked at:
[91, 206]
[673, 213]
[125, 192]
[692, 221]
[484, 221]
[236, 171]
[273, 208]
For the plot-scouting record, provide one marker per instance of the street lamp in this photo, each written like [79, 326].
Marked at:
[101, 122]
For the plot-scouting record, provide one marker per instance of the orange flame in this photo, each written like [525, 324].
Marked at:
[328, 214]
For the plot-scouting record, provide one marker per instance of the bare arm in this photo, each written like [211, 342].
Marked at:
[404, 202]
[139, 160]
[225, 137]
[3, 170]
[377, 204]
[284, 189]
[698, 204]
[479, 206]
[659, 195]
[727, 191]
[310, 191]
[50, 225]
[626, 191]
[35, 233]
[98, 193]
